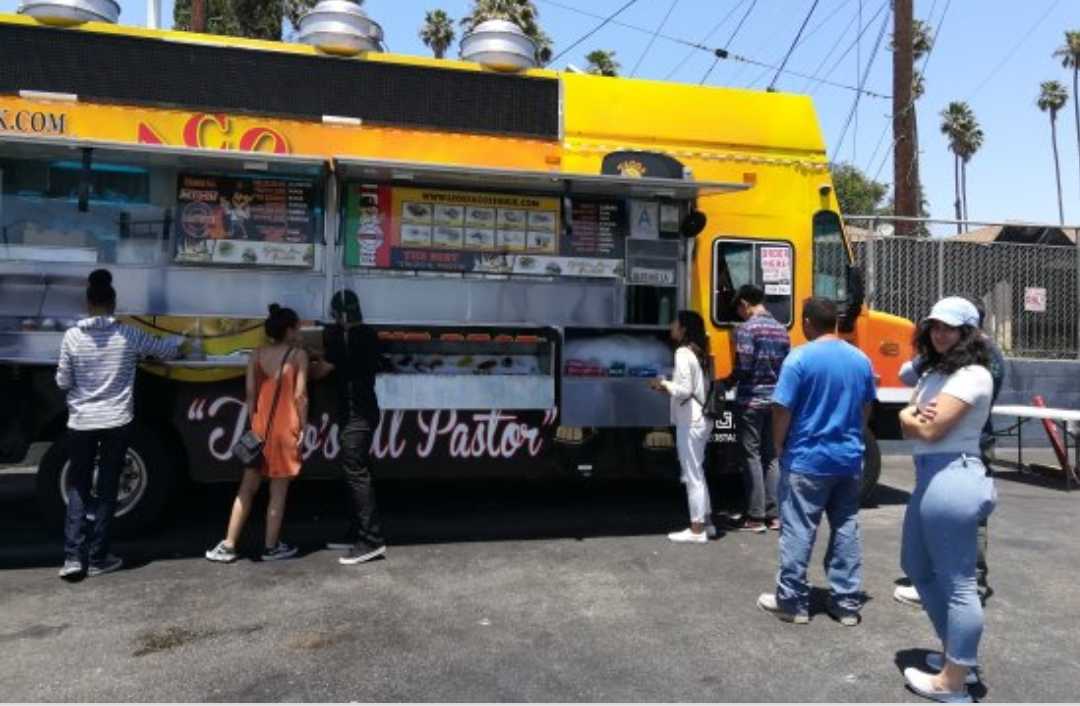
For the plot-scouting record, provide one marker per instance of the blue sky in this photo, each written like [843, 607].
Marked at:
[992, 53]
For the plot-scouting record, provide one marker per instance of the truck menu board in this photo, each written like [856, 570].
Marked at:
[245, 221]
[460, 231]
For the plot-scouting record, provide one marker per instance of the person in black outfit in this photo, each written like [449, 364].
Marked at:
[353, 355]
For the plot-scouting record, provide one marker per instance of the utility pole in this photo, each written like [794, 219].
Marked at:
[198, 15]
[905, 158]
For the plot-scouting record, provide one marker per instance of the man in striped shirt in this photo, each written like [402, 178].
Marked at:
[761, 345]
[98, 359]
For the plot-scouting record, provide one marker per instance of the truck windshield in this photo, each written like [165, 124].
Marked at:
[768, 264]
[830, 257]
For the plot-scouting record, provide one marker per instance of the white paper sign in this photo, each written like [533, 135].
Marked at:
[778, 290]
[775, 264]
[644, 219]
[1035, 299]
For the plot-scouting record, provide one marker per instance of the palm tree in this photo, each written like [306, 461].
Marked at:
[1070, 59]
[523, 13]
[971, 141]
[437, 32]
[1052, 97]
[956, 120]
[602, 63]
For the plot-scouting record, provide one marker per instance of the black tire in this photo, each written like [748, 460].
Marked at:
[149, 481]
[871, 469]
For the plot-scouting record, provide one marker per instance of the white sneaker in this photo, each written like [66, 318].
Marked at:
[936, 662]
[688, 536]
[222, 553]
[908, 595]
[767, 602]
[922, 684]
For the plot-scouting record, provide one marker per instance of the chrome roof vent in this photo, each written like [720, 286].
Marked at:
[67, 13]
[499, 45]
[340, 27]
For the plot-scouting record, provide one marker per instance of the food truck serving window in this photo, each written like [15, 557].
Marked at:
[769, 264]
[485, 232]
[70, 211]
[125, 206]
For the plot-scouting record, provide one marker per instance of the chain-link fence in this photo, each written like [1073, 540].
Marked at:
[1029, 290]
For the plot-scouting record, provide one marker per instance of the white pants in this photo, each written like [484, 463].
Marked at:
[690, 443]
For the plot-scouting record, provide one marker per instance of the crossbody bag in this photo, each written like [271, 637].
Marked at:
[249, 448]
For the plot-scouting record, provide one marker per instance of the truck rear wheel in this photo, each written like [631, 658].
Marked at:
[871, 469]
[147, 481]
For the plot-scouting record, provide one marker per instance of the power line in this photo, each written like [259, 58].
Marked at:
[791, 49]
[858, 68]
[594, 30]
[836, 45]
[926, 61]
[869, 23]
[714, 30]
[711, 50]
[729, 41]
[866, 75]
[652, 40]
[1012, 52]
[836, 11]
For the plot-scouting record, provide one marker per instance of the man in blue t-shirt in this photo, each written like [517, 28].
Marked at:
[820, 407]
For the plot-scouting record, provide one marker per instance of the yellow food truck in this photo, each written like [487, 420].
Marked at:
[519, 239]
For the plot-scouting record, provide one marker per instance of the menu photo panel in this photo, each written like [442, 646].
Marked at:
[245, 221]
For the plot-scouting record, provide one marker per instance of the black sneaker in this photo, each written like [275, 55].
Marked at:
[279, 552]
[111, 564]
[847, 618]
[360, 554]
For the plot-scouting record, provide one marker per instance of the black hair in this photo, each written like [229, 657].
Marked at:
[821, 313]
[971, 349]
[694, 337]
[975, 302]
[751, 294]
[99, 290]
[347, 303]
[100, 277]
[279, 322]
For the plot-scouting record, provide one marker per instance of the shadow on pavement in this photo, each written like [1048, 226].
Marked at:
[413, 512]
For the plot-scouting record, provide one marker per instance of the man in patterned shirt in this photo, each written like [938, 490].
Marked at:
[761, 344]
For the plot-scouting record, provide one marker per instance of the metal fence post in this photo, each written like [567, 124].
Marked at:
[941, 269]
[1076, 317]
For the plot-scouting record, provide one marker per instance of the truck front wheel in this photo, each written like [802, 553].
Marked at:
[147, 481]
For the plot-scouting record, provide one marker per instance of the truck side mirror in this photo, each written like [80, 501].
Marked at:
[852, 305]
[692, 224]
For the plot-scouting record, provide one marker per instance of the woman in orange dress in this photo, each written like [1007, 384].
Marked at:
[280, 427]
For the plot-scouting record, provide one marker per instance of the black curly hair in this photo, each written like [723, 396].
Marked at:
[971, 349]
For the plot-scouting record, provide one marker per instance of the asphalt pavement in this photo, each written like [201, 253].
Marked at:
[512, 592]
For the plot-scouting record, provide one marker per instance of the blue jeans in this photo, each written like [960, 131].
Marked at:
[803, 499]
[952, 496]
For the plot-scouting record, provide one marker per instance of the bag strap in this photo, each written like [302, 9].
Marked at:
[277, 393]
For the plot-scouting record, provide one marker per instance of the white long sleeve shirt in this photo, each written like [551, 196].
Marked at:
[97, 365]
[687, 389]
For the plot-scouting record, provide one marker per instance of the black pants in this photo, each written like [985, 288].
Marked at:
[108, 447]
[357, 434]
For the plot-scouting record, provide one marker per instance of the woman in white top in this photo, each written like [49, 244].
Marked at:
[687, 390]
[952, 492]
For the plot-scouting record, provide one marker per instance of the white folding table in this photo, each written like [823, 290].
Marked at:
[1062, 417]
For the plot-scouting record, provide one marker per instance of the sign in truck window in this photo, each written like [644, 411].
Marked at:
[459, 231]
[245, 221]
